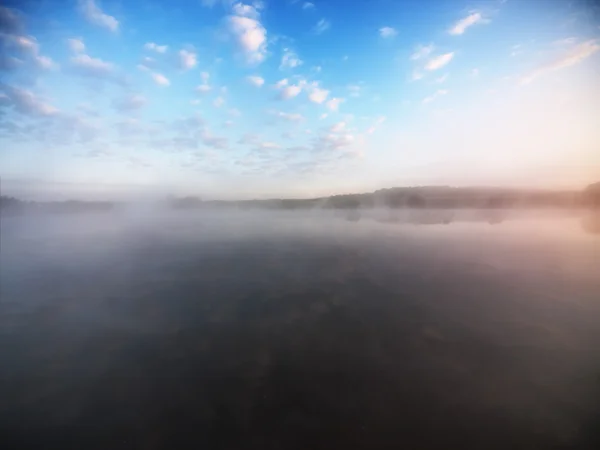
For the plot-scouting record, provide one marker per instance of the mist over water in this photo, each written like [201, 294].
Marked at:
[253, 329]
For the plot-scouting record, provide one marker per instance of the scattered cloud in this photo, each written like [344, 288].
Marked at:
[565, 41]
[290, 117]
[316, 94]
[338, 127]
[334, 103]
[156, 48]
[289, 91]
[92, 67]
[76, 45]
[216, 142]
[461, 26]
[289, 60]
[439, 61]
[432, 97]
[474, 72]
[218, 102]
[130, 103]
[187, 59]
[321, 26]
[160, 79]
[308, 5]
[96, 16]
[574, 56]
[354, 90]
[204, 76]
[422, 51]
[387, 32]
[255, 80]
[442, 78]
[26, 102]
[249, 34]
[416, 75]
[203, 89]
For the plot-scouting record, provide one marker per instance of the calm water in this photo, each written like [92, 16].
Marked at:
[296, 331]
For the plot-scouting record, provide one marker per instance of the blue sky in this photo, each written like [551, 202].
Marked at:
[293, 98]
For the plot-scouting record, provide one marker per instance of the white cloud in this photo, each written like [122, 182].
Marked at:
[94, 15]
[94, 67]
[321, 26]
[44, 62]
[255, 80]
[416, 75]
[290, 117]
[155, 47]
[289, 60]
[317, 95]
[239, 9]
[474, 72]
[290, 91]
[442, 78]
[76, 45]
[27, 44]
[281, 83]
[334, 103]
[268, 145]
[130, 103]
[387, 32]
[422, 51]
[26, 102]
[439, 61]
[432, 97]
[323, 116]
[461, 26]
[574, 56]
[308, 5]
[203, 88]
[218, 102]
[338, 127]
[187, 59]
[354, 90]
[233, 112]
[160, 79]
[249, 35]
[204, 76]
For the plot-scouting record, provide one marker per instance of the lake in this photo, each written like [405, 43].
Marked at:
[296, 330]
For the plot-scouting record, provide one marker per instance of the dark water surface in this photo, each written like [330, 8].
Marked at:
[297, 331]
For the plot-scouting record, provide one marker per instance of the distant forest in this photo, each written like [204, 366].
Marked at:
[434, 197]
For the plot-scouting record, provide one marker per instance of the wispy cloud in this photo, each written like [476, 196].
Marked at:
[308, 5]
[26, 102]
[432, 97]
[461, 26]
[93, 14]
[187, 59]
[160, 79]
[439, 61]
[422, 51]
[152, 46]
[130, 103]
[76, 45]
[387, 32]
[93, 67]
[255, 80]
[321, 26]
[574, 56]
[289, 60]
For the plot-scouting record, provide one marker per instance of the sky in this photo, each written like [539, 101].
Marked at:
[291, 98]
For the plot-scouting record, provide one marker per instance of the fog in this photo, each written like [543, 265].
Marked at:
[146, 328]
